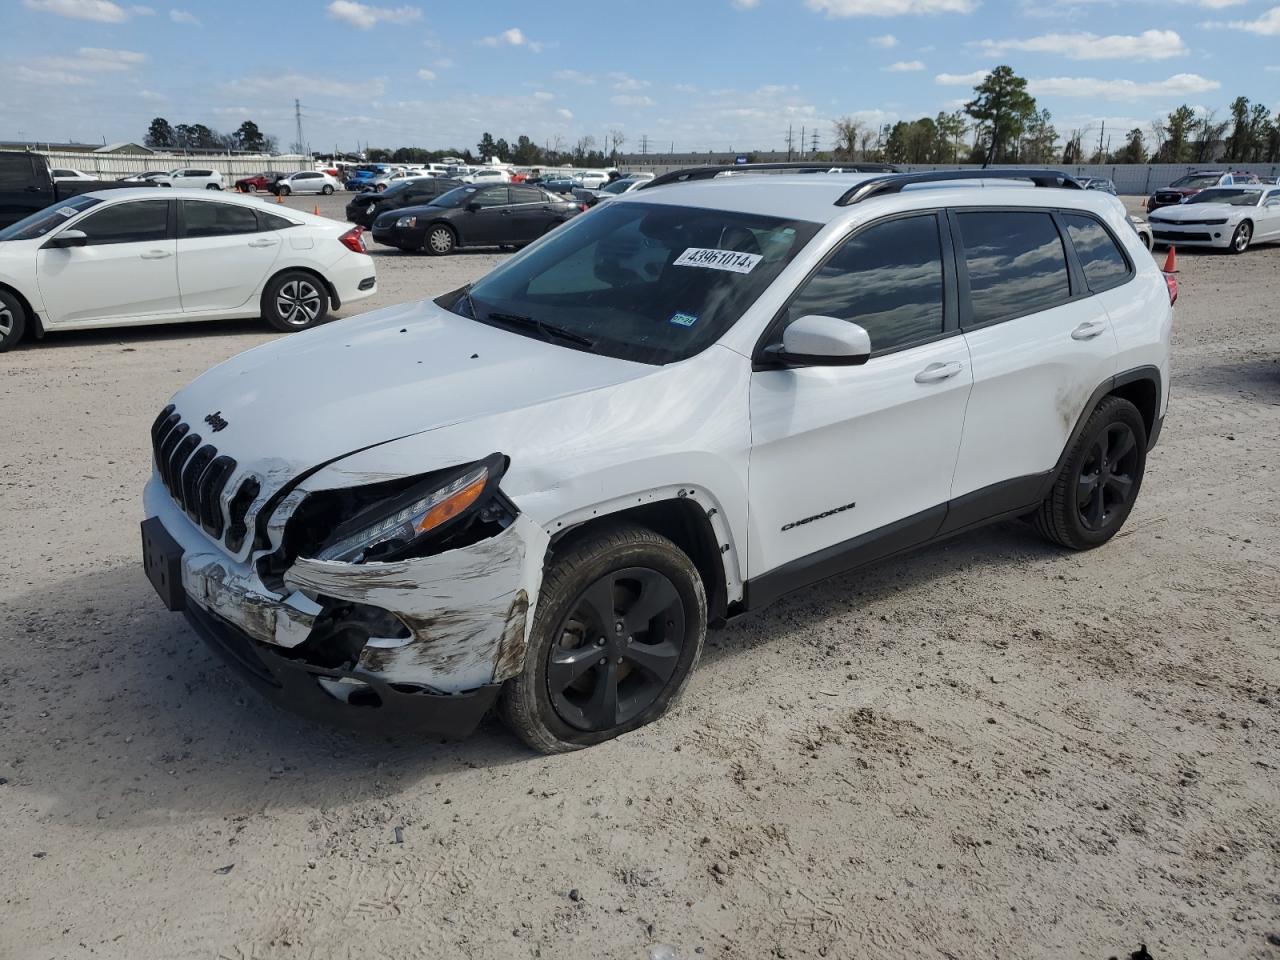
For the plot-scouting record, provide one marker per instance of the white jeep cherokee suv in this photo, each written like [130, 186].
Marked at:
[541, 489]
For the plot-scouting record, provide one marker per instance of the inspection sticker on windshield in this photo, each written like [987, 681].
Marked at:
[683, 319]
[709, 259]
[68, 211]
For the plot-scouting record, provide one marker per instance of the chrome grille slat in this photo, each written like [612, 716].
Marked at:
[196, 476]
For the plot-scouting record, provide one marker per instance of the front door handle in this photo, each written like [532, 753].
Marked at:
[1088, 330]
[937, 372]
[156, 255]
[263, 243]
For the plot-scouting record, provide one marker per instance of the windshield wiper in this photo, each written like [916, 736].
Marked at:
[546, 329]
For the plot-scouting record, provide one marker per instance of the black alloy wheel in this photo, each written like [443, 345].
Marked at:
[1106, 481]
[617, 649]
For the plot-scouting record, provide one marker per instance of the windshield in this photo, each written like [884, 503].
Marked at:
[1237, 198]
[51, 218]
[618, 186]
[646, 282]
[1197, 180]
[454, 198]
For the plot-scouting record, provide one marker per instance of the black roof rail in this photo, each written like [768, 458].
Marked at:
[895, 182]
[810, 166]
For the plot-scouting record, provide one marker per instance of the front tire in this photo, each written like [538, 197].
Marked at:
[327, 190]
[284, 190]
[1099, 482]
[1243, 236]
[13, 321]
[212, 186]
[620, 624]
[295, 301]
[440, 240]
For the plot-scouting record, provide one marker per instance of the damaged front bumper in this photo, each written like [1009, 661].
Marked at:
[420, 645]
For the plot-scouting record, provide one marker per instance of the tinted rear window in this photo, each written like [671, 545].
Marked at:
[1104, 264]
[1016, 264]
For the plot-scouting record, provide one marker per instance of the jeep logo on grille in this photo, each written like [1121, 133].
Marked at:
[215, 421]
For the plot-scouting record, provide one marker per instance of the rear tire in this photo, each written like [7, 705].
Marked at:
[13, 321]
[327, 190]
[619, 627]
[295, 301]
[440, 240]
[1099, 482]
[284, 190]
[212, 186]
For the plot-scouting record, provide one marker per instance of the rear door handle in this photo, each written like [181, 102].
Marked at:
[937, 372]
[156, 255]
[1088, 330]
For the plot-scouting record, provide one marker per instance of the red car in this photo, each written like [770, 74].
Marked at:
[1188, 186]
[259, 181]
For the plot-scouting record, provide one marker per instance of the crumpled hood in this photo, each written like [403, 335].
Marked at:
[312, 397]
[1196, 211]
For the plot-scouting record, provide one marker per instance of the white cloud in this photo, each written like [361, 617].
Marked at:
[625, 84]
[905, 66]
[1267, 25]
[961, 79]
[543, 95]
[48, 78]
[141, 11]
[1149, 45]
[889, 8]
[95, 60]
[746, 4]
[425, 74]
[102, 11]
[366, 17]
[1179, 85]
[184, 16]
[564, 114]
[574, 76]
[152, 96]
[631, 100]
[444, 63]
[886, 42]
[513, 37]
[302, 84]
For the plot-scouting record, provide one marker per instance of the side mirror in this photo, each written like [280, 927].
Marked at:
[69, 238]
[818, 341]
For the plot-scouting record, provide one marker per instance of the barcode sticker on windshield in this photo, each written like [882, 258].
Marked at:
[68, 211]
[709, 259]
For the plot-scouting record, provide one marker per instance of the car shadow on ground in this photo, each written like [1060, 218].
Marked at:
[158, 726]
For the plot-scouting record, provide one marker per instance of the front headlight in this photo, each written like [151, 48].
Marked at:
[387, 529]
[407, 222]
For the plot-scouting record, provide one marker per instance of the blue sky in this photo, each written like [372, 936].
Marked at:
[700, 73]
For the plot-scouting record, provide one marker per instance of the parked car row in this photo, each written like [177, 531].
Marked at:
[1185, 187]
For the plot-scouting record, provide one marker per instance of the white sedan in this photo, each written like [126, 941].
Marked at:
[137, 256]
[308, 181]
[1229, 218]
[487, 175]
[201, 178]
[65, 174]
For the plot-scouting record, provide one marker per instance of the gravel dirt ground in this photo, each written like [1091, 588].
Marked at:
[991, 748]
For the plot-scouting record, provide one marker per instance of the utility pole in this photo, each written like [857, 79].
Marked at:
[297, 119]
[644, 145]
[788, 143]
[813, 149]
[802, 142]
[1100, 133]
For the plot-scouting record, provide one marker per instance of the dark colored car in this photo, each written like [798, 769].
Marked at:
[27, 185]
[366, 207]
[557, 184]
[475, 215]
[259, 181]
[1188, 186]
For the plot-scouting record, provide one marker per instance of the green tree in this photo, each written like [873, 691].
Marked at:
[160, 134]
[502, 150]
[527, 153]
[249, 137]
[951, 130]
[1134, 149]
[1040, 139]
[1002, 105]
[1259, 132]
[487, 147]
[1177, 136]
[844, 134]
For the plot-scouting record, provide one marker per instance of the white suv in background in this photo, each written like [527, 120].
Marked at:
[540, 490]
[193, 178]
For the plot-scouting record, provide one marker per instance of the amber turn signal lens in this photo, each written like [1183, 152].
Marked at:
[450, 508]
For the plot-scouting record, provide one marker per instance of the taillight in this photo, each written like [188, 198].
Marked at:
[1171, 282]
[582, 207]
[353, 240]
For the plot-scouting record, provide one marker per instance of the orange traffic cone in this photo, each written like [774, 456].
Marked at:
[316, 211]
[1171, 261]
[279, 198]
